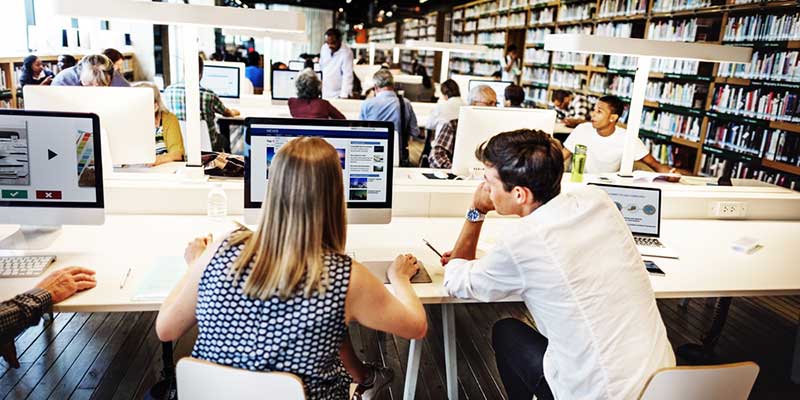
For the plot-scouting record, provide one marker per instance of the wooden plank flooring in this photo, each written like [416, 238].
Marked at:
[117, 355]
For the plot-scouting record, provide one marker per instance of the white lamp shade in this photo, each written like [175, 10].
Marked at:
[647, 48]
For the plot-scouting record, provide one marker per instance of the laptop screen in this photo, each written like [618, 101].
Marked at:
[640, 207]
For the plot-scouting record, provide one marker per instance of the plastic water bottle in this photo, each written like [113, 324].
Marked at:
[217, 202]
[578, 163]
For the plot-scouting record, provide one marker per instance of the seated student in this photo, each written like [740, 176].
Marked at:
[514, 95]
[210, 106]
[65, 61]
[292, 269]
[447, 110]
[116, 58]
[572, 259]
[169, 141]
[96, 70]
[445, 142]
[385, 106]
[34, 73]
[308, 103]
[253, 71]
[571, 109]
[605, 141]
[72, 75]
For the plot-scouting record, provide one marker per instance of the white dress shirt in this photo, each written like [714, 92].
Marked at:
[603, 154]
[337, 72]
[442, 113]
[574, 263]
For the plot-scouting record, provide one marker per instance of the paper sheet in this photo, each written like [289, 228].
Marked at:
[160, 279]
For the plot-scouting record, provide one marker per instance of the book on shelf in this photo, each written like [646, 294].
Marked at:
[575, 12]
[537, 35]
[675, 93]
[537, 75]
[673, 66]
[543, 16]
[762, 27]
[783, 147]
[684, 30]
[670, 154]
[614, 29]
[739, 138]
[613, 8]
[773, 66]
[569, 58]
[536, 95]
[567, 79]
[660, 6]
[537, 56]
[672, 124]
[761, 103]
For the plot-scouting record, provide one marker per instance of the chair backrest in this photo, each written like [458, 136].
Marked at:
[201, 380]
[711, 382]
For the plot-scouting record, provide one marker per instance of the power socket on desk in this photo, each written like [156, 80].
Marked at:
[727, 209]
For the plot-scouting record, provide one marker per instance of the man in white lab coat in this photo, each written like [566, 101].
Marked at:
[336, 60]
[571, 258]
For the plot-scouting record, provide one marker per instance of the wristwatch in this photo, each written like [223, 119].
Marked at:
[475, 215]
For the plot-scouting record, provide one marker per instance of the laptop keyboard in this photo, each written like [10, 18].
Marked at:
[647, 241]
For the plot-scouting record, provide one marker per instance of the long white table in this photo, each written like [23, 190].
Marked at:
[708, 267]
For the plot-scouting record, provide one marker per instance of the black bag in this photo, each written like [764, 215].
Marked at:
[403, 134]
[222, 164]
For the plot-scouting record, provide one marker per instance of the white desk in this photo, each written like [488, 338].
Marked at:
[707, 268]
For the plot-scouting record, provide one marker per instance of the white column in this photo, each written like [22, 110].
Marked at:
[635, 115]
[372, 54]
[191, 78]
[396, 55]
[267, 66]
[444, 69]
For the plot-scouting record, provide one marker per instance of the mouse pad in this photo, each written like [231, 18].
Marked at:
[379, 268]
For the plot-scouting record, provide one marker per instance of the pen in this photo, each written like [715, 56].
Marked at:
[125, 279]
[431, 247]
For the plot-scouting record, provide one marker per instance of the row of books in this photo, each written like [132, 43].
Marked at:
[537, 95]
[762, 103]
[627, 63]
[492, 38]
[783, 147]
[668, 92]
[673, 66]
[575, 29]
[717, 166]
[569, 58]
[672, 124]
[678, 5]
[613, 8]
[774, 66]
[567, 79]
[612, 29]
[762, 27]
[485, 68]
[537, 56]
[537, 35]
[741, 138]
[543, 16]
[538, 75]
[575, 12]
[620, 85]
[673, 30]
[670, 154]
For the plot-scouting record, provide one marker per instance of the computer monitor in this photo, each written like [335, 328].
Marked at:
[499, 88]
[463, 83]
[364, 74]
[299, 65]
[478, 124]
[126, 116]
[365, 152]
[224, 78]
[282, 86]
[50, 174]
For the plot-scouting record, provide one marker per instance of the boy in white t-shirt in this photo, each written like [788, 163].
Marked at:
[605, 141]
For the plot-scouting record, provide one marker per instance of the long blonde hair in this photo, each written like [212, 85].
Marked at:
[303, 218]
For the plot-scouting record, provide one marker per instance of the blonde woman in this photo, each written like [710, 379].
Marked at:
[96, 70]
[280, 298]
[169, 141]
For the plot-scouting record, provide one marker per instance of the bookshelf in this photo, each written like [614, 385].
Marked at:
[419, 29]
[11, 69]
[707, 118]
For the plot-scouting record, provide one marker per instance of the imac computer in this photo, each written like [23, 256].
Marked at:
[299, 65]
[50, 174]
[226, 79]
[463, 83]
[478, 124]
[126, 117]
[282, 85]
[365, 152]
[499, 88]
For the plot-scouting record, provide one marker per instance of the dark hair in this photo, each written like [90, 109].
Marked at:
[337, 34]
[200, 64]
[527, 158]
[308, 63]
[496, 74]
[615, 103]
[113, 54]
[559, 95]
[450, 89]
[423, 72]
[511, 47]
[69, 60]
[253, 59]
[27, 63]
[515, 95]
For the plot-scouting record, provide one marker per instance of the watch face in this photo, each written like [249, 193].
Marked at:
[473, 215]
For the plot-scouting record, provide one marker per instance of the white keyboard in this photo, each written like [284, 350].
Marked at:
[22, 266]
[647, 241]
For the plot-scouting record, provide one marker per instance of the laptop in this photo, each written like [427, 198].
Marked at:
[641, 209]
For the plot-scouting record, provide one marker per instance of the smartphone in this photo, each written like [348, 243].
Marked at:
[653, 268]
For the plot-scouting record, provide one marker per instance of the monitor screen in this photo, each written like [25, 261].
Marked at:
[222, 79]
[283, 87]
[640, 207]
[50, 159]
[364, 147]
[499, 88]
[299, 65]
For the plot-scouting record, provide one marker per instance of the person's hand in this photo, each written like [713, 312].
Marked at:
[481, 199]
[232, 112]
[573, 122]
[196, 247]
[47, 81]
[446, 257]
[403, 268]
[62, 284]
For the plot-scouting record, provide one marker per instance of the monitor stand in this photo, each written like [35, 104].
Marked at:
[31, 237]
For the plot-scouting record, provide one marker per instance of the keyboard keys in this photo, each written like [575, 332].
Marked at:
[647, 241]
[24, 266]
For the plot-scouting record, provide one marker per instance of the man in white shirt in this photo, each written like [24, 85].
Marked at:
[336, 60]
[572, 259]
[605, 141]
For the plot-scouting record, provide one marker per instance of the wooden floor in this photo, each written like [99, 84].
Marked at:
[117, 355]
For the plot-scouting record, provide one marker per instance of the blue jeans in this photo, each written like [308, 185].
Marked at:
[519, 351]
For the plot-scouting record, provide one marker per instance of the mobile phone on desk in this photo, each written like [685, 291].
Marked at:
[653, 268]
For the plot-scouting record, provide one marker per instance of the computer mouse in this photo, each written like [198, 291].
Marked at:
[440, 175]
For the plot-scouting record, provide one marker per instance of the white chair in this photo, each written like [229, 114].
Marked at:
[203, 380]
[708, 382]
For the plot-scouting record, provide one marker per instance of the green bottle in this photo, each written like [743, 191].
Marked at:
[578, 163]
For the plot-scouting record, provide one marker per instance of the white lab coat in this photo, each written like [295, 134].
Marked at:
[337, 72]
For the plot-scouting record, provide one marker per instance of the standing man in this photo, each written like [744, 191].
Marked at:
[336, 60]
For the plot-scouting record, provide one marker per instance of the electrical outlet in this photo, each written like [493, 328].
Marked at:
[727, 209]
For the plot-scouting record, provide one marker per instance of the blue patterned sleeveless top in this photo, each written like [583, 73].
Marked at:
[297, 335]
